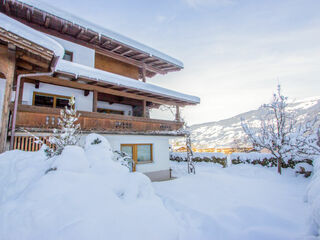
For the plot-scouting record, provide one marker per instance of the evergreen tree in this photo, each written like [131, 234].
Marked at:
[69, 131]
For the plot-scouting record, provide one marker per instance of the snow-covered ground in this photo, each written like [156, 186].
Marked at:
[238, 202]
[87, 195]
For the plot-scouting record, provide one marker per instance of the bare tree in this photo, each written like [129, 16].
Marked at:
[280, 133]
[191, 168]
[306, 140]
[186, 131]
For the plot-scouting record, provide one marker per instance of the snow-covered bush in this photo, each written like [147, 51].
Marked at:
[68, 134]
[264, 159]
[124, 159]
[313, 198]
[213, 157]
[268, 160]
[304, 168]
[89, 196]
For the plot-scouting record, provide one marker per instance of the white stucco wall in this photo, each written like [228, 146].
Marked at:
[82, 55]
[160, 150]
[115, 106]
[83, 103]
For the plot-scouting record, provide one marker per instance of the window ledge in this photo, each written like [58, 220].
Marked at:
[144, 162]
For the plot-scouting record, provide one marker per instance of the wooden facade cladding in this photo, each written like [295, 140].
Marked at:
[45, 119]
[109, 64]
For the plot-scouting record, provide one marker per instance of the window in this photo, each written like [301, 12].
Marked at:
[50, 100]
[104, 110]
[68, 56]
[140, 153]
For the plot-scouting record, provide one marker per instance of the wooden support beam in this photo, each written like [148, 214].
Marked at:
[28, 15]
[126, 52]
[116, 48]
[144, 108]
[146, 59]
[21, 91]
[37, 84]
[169, 68]
[143, 71]
[92, 83]
[138, 55]
[80, 33]
[160, 64]
[7, 7]
[86, 93]
[34, 61]
[64, 28]
[93, 39]
[25, 65]
[47, 22]
[107, 42]
[95, 101]
[178, 119]
[8, 62]
[151, 61]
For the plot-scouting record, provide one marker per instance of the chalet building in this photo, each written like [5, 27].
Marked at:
[48, 55]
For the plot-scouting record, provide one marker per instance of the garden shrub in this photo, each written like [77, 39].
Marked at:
[218, 158]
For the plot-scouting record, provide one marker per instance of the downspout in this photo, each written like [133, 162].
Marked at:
[16, 99]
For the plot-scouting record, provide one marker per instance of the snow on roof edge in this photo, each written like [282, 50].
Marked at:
[101, 30]
[30, 34]
[93, 73]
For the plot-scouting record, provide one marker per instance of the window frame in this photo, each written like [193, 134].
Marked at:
[135, 152]
[66, 52]
[55, 96]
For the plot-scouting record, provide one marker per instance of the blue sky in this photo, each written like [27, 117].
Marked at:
[235, 51]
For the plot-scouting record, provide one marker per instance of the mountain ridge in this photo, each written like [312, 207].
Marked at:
[226, 132]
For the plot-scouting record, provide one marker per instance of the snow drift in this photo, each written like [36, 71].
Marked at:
[313, 198]
[84, 195]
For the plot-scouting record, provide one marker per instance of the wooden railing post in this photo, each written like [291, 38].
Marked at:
[21, 91]
[9, 65]
[178, 114]
[95, 101]
[144, 108]
[143, 71]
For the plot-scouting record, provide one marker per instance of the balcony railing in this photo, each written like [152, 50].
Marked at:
[45, 119]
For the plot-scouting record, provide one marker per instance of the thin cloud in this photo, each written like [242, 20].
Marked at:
[214, 3]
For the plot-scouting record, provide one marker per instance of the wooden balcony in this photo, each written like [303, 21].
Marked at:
[44, 119]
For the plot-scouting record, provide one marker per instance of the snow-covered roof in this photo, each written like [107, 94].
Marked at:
[114, 79]
[79, 70]
[30, 34]
[101, 30]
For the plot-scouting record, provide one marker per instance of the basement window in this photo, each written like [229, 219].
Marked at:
[140, 153]
[50, 100]
[68, 56]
